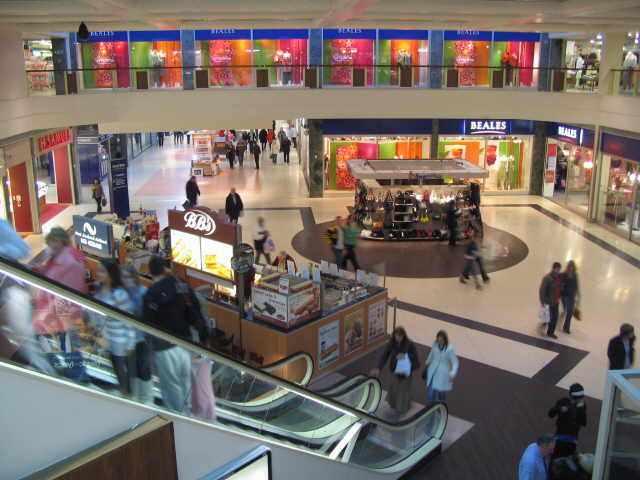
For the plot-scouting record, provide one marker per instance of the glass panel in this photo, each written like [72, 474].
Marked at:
[285, 60]
[348, 61]
[229, 61]
[623, 457]
[621, 198]
[579, 175]
[471, 59]
[162, 60]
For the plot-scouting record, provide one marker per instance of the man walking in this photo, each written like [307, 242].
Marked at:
[164, 307]
[263, 139]
[351, 233]
[471, 257]
[572, 416]
[285, 146]
[256, 154]
[534, 464]
[233, 206]
[550, 293]
[451, 220]
[621, 352]
[193, 192]
[293, 135]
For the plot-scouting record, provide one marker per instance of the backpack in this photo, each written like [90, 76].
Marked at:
[193, 311]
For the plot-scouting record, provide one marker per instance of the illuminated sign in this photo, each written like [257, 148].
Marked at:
[468, 32]
[199, 221]
[54, 140]
[568, 132]
[349, 30]
[481, 127]
[92, 235]
[223, 31]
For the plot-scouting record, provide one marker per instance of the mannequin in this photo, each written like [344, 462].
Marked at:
[629, 64]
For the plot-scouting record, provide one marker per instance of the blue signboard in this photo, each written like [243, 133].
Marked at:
[93, 236]
[290, 33]
[223, 34]
[403, 34]
[624, 147]
[335, 33]
[120, 188]
[154, 35]
[516, 37]
[477, 35]
[366, 126]
[106, 36]
[571, 134]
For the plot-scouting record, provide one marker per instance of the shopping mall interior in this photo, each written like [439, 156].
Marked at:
[248, 241]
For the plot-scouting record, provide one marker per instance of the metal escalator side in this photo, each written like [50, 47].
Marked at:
[346, 434]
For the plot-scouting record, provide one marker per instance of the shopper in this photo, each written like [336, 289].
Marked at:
[285, 146]
[233, 206]
[293, 135]
[241, 147]
[66, 265]
[120, 337]
[621, 351]
[440, 369]
[571, 413]
[472, 258]
[570, 291]
[193, 191]
[142, 385]
[259, 238]
[335, 235]
[271, 135]
[231, 154]
[256, 154]
[550, 293]
[189, 133]
[263, 137]
[164, 307]
[281, 136]
[275, 150]
[451, 220]
[534, 464]
[402, 356]
[160, 136]
[351, 235]
[281, 261]
[97, 194]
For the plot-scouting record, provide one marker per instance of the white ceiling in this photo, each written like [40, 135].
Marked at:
[585, 16]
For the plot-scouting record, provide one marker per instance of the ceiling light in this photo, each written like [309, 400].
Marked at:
[599, 36]
[83, 32]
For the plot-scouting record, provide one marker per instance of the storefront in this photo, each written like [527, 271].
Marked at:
[54, 172]
[619, 186]
[503, 147]
[225, 55]
[569, 170]
[347, 52]
[397, 50]
[103, 56]
[285, 52]
[38, 55]
[92, 160]
[518, 56]
[139, 142]
[466, 50]
[582, 57]
[159, 55]
[19, 186]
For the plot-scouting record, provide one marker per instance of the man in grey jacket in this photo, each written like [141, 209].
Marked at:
[549, 294]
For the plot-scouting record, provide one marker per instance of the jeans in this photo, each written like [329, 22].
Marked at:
[569, 304]
[174, 373]
[125, 368]
[350, 255]
[99, 204]
[468, 268]
[432, 394]
[553, 319]
[338, 254]
[286, 157]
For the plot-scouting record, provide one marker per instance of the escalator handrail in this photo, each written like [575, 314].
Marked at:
[290, 359]
[23, 274]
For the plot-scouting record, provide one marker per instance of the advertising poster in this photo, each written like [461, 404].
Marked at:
[269, 306]
[216, 258]
[353, 331]
[328, 343]
[185, 249]
[550, 171]
[304, 305]
[377, 317]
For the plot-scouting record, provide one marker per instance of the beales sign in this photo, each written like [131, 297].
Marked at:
[479, 127]
[568, 132]
[200, 221]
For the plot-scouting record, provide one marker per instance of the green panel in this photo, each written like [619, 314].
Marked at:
[384, 58]
[140, 57]
[387, 149]
[449, 52]
[333, 163]
[88, 76]
[441, 151]
[326, 60]
[496, 56]
[204, 53]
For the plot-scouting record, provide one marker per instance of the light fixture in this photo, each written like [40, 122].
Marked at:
[83, 32]
[599, 36]
[588, 164]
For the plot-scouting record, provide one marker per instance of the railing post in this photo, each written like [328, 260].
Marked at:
[71, 82]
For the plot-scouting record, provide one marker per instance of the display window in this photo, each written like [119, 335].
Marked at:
[284, 52]
[105, 55]
[398, 49]
[38, 60]
[582, 58]
[518, 55]
[506, 157]
[226, 53]
[346, 50]
[466, 50]
[338, 150]
[160, 52]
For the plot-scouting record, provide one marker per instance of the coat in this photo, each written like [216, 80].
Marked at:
[192, 191]
[263, 136]
[550, 290]
[571, 417]
[442, 366]
[616, 353]
[231, 208]
[392, 350]
[285, 145]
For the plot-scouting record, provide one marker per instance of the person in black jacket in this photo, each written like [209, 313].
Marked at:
[571, 413]
[569, 291]
[193, 192]
[255, 149]
[451, 220]
[398, 349]
[263, 139]
[231, 154]
[621, 352]
[285, 146]
[164, 307]
[233, 206]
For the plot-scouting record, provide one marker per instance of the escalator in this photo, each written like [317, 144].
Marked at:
[336, 423]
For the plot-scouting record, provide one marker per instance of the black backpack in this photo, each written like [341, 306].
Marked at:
[193, 311]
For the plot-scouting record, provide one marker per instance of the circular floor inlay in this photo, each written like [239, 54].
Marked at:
[429, 259]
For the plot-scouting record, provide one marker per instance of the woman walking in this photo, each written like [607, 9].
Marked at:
[97, 194]
[441, 368]
[403, 361]
[259, 239]
[569, 290]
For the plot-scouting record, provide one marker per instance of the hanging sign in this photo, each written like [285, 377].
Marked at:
[486, 127]
[54, 140]
[550, 170]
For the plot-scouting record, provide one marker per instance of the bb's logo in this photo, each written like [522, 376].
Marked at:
[90, 229]
[200, 221]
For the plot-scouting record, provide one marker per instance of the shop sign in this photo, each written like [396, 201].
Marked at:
[199, 221]
[204, 222]
[92, 235]
[485, 127]
[223, 34]
[54, 140]
[566, 131]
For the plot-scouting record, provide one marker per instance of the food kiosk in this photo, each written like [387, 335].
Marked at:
[204, 161]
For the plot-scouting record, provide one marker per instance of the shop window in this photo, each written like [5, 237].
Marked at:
[284, 52]
[468, 51]
[346, 50]
[160, 55]
[396, 53]
[38, 60]
[621, 208]
[583, 60]
[228, 61]
[105, 55]
[518, 56]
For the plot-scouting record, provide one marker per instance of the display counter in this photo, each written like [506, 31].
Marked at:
[204, 161]
[409, 199]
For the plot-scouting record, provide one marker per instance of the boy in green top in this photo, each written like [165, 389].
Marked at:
[351, 234]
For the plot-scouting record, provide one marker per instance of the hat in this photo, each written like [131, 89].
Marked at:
[576, 390]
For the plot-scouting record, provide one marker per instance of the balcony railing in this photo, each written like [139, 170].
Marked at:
[84, 80]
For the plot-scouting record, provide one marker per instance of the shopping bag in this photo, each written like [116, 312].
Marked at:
[577, 314]
[104, 202]
[543, 314]
[269, 245]
[403, 366]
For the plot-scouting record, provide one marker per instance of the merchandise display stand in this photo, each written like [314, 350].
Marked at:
[204, 162]
[407, 200]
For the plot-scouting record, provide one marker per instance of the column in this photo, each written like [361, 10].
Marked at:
[188, 45]
[435, 137]
[538, 158]
[316, 158]
[611, 58]
[59, 46]
[315, 51]
[13, 81]
[436, 57]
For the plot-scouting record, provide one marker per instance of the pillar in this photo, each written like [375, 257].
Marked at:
[538, 158]
[188, 45]
[315, 51]
[436, 57]
[611, 58]
[59, 46]
[316, 158]
[435, 137]
[13, 81]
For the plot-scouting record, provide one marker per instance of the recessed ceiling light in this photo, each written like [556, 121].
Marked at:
[599, 36]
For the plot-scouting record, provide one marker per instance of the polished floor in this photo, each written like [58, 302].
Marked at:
[509, 373]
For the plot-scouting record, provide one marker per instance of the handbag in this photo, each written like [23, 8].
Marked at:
[403, 366]
[104, 202]
[543, 314]
[577, 314]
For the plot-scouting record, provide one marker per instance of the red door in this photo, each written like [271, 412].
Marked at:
[21, 206]
[62, 175]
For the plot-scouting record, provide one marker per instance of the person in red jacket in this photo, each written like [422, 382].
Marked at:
[270, 137]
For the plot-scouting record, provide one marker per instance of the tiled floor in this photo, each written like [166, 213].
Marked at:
[504, 336]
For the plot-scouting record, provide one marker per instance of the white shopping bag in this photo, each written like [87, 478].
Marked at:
[543, 314]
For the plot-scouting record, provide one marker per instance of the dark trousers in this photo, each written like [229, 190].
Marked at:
[264, 145]
[563, 449]
[350, 254]
[256, 158]
[453, 236]
[241, 158]
[553, 319]
[99, 204]
[125, 368]
[160, 140]
[233, 219]
[338, 253]
[188, 139]
[286, 157]
[469, 264]
[193, 201]
[569, 304]
[143, 361]
[267, 256]
[295, 142]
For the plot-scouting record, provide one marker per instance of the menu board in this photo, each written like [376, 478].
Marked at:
[216, 258]
[377, 317]
[185, 249]
[353, 331]
[328, 343]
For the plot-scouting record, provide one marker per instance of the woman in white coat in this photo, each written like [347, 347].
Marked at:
[441, 368]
